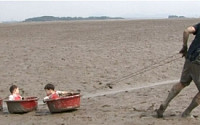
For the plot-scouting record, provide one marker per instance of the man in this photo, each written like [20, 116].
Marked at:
[191, 71]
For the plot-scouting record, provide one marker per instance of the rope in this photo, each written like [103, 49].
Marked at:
[155, 65]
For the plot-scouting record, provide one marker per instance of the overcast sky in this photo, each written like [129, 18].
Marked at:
[128, 9]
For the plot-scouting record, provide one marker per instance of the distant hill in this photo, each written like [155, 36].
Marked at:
[175, 17]
[52, 18]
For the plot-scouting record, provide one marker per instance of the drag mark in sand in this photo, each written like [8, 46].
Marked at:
[128, 89]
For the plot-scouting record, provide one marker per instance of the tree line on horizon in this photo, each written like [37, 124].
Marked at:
[52, 18]
[175, 16]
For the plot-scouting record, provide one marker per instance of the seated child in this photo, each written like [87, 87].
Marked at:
[14, 93]
[52, 94]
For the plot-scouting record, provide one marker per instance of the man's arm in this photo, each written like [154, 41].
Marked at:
[186, 33]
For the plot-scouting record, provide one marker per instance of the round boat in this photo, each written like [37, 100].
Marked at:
[22, 106]
[63, 104]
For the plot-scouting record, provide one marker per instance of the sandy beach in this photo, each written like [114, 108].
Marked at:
[94, 57]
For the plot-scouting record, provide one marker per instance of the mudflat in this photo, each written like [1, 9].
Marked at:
[97, 57]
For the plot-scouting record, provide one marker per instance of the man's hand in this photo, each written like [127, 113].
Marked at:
[183, 51]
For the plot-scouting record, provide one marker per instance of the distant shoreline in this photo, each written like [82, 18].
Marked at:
[91, 18]
[123, 19]
[52, 18]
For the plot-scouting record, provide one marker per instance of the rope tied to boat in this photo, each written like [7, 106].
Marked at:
[155, 65]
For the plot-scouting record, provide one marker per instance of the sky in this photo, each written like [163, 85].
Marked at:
[21, 10]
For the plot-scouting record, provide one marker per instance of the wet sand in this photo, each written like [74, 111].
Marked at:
[89, 56]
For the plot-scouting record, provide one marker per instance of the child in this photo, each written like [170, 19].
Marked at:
[14, 90]
[52, 94]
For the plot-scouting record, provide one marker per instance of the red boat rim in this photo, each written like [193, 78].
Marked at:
[25, 100]
[63, 98]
